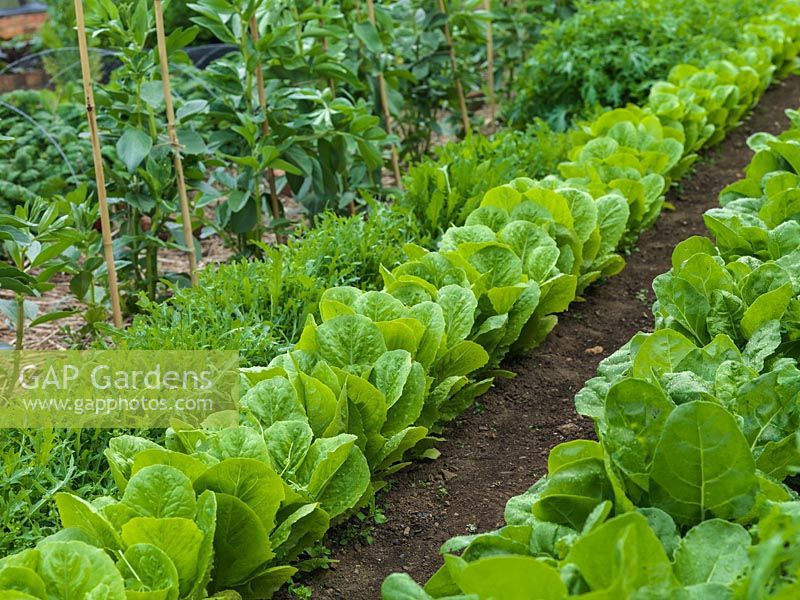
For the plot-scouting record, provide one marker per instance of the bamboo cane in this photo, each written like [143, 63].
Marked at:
[462, 102]
[262, 101]
[490, 65]
[385, 102]
[105, 221]
[188, 237]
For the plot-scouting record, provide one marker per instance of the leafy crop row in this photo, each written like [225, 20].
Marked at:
[687, 493]
[370, 383]
[443, 190]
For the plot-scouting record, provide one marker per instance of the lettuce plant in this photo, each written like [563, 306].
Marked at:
[257, 509]
[159, 533]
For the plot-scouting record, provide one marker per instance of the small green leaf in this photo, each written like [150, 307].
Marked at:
[192, 107]
[368, 34]
[53, 316]
[133, 147]
[191, 141]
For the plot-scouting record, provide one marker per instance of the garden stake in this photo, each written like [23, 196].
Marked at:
[262, 101]
[454, 66]
[490, 63]
[100, 178]
[188, 237]
[385, 102]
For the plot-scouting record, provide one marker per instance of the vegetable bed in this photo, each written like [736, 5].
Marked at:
[370, 384]
[497, 448]
[690, 490]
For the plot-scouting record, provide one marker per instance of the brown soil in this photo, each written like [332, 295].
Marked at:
[500, 447]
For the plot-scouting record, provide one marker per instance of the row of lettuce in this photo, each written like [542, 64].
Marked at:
[688, 492]
[369, 384]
